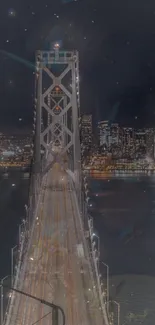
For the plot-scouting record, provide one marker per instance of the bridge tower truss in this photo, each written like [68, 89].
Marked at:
[57, 107]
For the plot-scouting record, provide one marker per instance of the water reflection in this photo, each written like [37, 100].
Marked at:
[123, 207]
[13, 197]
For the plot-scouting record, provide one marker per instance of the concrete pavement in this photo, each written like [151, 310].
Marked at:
[57, 267]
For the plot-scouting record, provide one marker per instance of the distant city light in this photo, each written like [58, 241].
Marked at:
[15, 150]
[8, 153]
[117, 147]
[56, 45]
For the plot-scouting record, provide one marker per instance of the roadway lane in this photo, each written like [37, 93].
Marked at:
[57, 267]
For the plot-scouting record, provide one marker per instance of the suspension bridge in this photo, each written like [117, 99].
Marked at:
[57, 259]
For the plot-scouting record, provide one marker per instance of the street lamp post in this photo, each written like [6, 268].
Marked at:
[98, 240]
[54, 307]
[118, 312]
[107, 267]
[2, 298]
[12, 264]
[22, 227]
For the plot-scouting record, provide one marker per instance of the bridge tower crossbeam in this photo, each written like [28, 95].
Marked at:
[57, 107]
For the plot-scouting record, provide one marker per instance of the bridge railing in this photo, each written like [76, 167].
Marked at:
[94, 254]
[25, 244]
[24, 238]
[91, 252]
[15, 279]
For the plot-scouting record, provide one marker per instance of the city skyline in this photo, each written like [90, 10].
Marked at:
[127, 142]
[15, 150]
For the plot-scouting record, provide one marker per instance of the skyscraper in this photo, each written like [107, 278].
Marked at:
[140, 143]
[114, 134]
[86, 132]
[104, 133]
[127, 142]
[150, 142]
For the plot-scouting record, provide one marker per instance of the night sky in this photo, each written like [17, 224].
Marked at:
[116, 41]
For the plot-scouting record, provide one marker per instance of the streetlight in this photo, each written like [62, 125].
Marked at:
[118, 311]
[107, 267]
[98, 239]
[26, 209]
[12, 263]
[54, 307]
[2, 298]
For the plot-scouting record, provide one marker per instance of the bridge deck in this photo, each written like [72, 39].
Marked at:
[57, 268]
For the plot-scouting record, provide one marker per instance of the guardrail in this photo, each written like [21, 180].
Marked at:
[25, 234]
[103, 296]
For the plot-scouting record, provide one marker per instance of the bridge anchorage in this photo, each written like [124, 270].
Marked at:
[55, 261]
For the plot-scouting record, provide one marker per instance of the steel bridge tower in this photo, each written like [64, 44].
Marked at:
[57, 109]
[56, 261]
